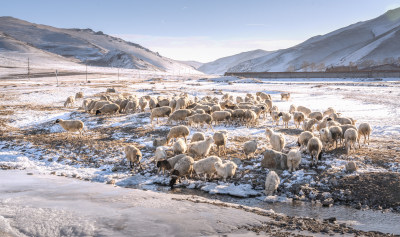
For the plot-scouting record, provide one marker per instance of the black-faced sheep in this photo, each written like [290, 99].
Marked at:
[285, 118]
[133, 155]
[108, 109]
[182, 168]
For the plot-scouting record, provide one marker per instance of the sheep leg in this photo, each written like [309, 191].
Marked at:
[205, 177]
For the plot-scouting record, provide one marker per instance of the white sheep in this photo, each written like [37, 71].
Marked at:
[108, 109]
[218, 116]
[201, 148]
[285, 118]
[142, 103]
[182, 168]
[206, 166]
[364, 129]
[293, 159]
[271, 183]
[329, 111]
[179, 115]
[70, 101]
[336, 134]
[179, 147]
[198, 136]
[133, 155]
[285, 96]
[306, 111]
[220, 140]
[160, 112]
[303, 139]
[326, 137]
[160, 154]
[308, 124]
[97, 105]
[71, 126]
[316, 115]
[292, 109]
[298, 117]
[314, 148]
[178, 131]
[341, 120]
[225, 170]
[200, 119]
[350, 138]
[249, 148]
[276, 139]
[79, 95]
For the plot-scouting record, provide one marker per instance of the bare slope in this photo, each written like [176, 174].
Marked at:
[375, 39]
[220, 66]
[87, 46]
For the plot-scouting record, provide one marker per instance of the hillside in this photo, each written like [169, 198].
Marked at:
[220, 66]
[367, 43]
[87, 46]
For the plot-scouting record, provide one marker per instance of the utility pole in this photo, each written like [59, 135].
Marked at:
[57, 76]
[29, 76]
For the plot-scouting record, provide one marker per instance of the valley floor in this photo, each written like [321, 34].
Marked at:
[30, 141]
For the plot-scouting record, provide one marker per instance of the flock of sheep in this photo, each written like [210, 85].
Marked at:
[193, 158]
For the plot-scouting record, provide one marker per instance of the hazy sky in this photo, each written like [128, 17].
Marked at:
[202, 30]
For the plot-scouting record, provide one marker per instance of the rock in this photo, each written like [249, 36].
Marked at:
[237, 161]
[274, 160]
[30, 173]
[351, 166]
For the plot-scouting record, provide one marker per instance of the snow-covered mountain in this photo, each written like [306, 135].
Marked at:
[192, 63]
[363, 44]
[220, 66]
[84, 45]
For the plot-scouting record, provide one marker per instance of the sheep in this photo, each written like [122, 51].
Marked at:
[316, 115]
[108, 109]
[314, 148]
[292, 109]
[98, 104]
[201, 148]
[172, 104]
[160, 154]
[181, 103]
[336, 133]
[298, 117]
[276, 139]
[79, 95]
[285, 118]
[182, 168]
[131, 106]
[341, 120]
[70, 101]
[364, 129]
[293, 159]
[206, 166]
[162, 102]
[206, 108]
[198, 136]
[275, 117]
[308, 124]
[274, 160]
[306, 111]
[220, 140]
[200, 119]
[225, 170]
[345, 127]
[303, 139]
[179, 147]
[71, 126]
[285, 96]
[142, 104]
[269, 103]
[168, 164]
[263, 95]
[153, 103]
[122, 106]
[178, 131]
[133, 155]
[329, 111]
[85, 104]
[179, 115]
[160, 112]
[350, 138]
[351, 166]
[250, 118]
[220, 116]
[110, 90]
[249, 148]
[238, 114]
[199, 111]
[323, 123]
[271, 183]
[326, 137]
[215, 108]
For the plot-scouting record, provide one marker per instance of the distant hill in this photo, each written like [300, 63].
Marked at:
[220, 66]
[364, 44]
[193, 64]
[82, 46]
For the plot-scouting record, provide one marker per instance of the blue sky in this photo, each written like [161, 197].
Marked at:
[202, 30]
